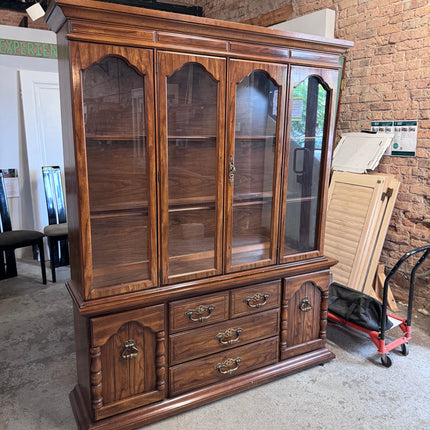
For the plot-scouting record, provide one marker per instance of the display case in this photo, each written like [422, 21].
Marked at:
[197, 158]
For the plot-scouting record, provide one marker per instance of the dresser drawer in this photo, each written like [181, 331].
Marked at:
[199, 311]
[218, 367]
[256, 298]
[226, 335]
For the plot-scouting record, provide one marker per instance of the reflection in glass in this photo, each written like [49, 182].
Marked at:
[114, 116]
[192, 169]
[308, 124]
[254, 153]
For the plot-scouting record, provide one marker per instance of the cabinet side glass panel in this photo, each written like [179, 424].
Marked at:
[192, 169]
[253, 167]
[307, 136]
[114, 116]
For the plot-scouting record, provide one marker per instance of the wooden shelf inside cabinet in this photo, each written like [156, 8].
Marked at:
[191, 137]
[191, 204]
[249, 199]
[114, 137]
[114, 211]
[244, 253]
[126, 267]
[301, 199]
[252, 138]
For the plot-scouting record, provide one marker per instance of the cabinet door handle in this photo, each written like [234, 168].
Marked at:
[225, 338]
[257, 300]
[225, 367]
[231, 170]
[197, 314]
[130, 351]
[305, 305]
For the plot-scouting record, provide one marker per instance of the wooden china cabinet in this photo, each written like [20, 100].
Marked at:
[197, 158]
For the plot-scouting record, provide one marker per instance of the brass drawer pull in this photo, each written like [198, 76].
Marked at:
[257, 300]
[226, 337]
[130, 351]
[305, 305]
[199, 312]
[226, 368]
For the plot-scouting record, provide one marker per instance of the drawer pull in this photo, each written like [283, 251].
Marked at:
[231, 170]
[199, 312]
[226, 337]
[225, 368]
[130, 351]
[257, 300]
[305, 305]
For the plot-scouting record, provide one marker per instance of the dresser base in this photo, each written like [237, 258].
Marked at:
[168, 407]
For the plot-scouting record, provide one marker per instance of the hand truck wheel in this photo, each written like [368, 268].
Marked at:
[386, 360]
[405, 348]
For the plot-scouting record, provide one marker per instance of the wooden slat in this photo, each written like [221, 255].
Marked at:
[384, 222]
[354, 205]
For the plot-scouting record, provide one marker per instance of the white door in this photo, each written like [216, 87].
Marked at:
[42, 118]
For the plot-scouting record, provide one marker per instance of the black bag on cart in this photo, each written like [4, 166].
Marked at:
[356, 307]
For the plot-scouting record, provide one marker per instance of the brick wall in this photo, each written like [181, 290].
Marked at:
[387, 78]
[13, 18]
[239, 10]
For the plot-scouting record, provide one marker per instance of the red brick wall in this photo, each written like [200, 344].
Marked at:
[13, 18]
[387, 78]
[239, 10]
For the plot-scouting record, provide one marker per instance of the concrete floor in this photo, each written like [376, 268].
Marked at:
[353, 392]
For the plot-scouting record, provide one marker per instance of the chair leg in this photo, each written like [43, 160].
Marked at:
[2, 265]
[42, 260]
[11, 270]
[64, 251]
[53, 251]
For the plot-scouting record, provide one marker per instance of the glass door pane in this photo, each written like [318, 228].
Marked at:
[253, 165]
[118, 171]
[309, 102]
[193, 206]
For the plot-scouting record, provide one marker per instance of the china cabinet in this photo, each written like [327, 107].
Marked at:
[197, 158]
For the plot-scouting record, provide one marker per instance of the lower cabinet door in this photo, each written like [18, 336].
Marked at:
[304, 313]
[222, 366]
[127, 360]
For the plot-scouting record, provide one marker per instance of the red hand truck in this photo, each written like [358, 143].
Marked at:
[378, 337]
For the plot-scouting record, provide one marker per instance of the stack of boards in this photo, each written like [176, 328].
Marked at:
[359, 212]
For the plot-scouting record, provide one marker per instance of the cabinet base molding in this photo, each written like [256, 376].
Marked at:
[169, 407]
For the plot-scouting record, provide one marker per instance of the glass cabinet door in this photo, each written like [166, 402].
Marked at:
[310, 134]
[117, 115]
[191, 117]
[255, 130]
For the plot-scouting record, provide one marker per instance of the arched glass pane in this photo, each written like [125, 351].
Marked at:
[114, 115]
[192, 169]
[254, 156]
[308, 124]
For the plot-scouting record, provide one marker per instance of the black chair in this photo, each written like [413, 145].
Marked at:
[57, 230]
[11, 240]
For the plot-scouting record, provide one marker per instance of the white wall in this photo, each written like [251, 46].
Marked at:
[13, 149]
[320, 23]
